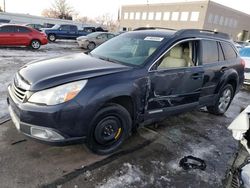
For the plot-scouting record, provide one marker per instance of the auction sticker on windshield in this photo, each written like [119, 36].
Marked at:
[159, 39]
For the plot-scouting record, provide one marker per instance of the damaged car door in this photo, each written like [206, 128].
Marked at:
[176, 80]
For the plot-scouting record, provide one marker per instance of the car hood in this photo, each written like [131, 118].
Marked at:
[48, 73]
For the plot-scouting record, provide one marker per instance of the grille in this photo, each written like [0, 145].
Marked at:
[247, 69]
[20, 94]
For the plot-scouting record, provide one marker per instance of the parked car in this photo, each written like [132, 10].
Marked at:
[134, 79]
[243, 43]
[17, 35]
[238, 46]
[94, 39]
[245, 54]
[240, 173]
[65, 31]
[38, 27]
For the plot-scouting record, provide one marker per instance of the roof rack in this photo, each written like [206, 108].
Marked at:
[203, 32]
[153, 28]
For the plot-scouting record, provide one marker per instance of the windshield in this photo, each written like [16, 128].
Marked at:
[130, 49]
[245, 52]
[55, 27]
[95, 34]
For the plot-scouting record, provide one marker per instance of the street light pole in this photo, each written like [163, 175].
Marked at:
[4, 6]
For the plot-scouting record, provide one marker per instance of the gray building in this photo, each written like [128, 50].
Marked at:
[198, 14]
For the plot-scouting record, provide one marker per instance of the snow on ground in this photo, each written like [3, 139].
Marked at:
[11, 59]
[128, 175]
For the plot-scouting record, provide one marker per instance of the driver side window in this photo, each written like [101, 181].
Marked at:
[180, 55]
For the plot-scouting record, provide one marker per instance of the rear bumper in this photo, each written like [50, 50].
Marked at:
[44, 41]
[247, 78]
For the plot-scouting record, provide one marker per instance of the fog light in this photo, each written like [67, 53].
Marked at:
[45, 134]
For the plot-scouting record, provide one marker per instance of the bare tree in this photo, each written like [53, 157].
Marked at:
[107, 21]
[60, 9]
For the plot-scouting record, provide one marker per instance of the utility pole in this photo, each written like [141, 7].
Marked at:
[4, 6]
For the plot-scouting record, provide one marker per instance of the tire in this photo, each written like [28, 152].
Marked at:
[35, 44]
[111, 126]
[91, 46]
[52, 37]
[223, 101]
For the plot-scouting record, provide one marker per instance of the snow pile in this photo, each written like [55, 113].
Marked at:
[130, 174]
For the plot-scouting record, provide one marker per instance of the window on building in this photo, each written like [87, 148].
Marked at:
[132, 15]
[175, 16]
[226, 22]
[195, 16]
[228, 51]
[158, 16]
[235, 23]
[150, 15]
[137, 15]
[166, 16]
[184, 16]
[231, 22]
[210, 18]
[216, 19]
[144, 15]
[125, 15]
[221, 20]
[209, 51]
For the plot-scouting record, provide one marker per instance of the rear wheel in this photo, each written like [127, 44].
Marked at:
[35, 44]
[223, 102]
[52, 37]
[110, 127]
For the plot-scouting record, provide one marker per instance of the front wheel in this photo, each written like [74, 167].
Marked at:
[111, 126]
[35, 44]
[223, 101]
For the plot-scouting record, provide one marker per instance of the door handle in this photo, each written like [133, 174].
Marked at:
[196, 76]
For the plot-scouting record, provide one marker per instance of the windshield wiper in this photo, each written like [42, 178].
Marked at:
[110, 59]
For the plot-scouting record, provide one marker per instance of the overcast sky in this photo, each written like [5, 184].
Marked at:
[94, 8]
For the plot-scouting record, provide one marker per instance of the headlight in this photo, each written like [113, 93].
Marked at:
[58, 94]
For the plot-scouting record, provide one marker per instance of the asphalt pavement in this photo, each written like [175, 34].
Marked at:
[149, 158]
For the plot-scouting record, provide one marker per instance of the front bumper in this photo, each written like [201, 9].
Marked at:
[57, 125]
[83, 44]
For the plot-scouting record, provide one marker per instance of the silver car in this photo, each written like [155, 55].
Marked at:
[245, 55]
[94, 39]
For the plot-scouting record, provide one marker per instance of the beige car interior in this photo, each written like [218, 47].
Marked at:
[178, 56]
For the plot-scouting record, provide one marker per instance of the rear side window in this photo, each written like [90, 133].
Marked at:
[209, 51]
[221, 55]
[65, 27]
[73, 28]
[7, 29]
[228, 51]
[22, 30]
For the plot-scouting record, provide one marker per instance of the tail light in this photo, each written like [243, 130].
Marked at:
[243, 63]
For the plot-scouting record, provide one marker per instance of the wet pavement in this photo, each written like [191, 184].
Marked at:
[149, 158]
